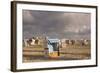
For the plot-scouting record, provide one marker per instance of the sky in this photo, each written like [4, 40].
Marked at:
[69, 25]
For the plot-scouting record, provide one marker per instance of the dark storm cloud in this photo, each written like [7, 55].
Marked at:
[56, 24]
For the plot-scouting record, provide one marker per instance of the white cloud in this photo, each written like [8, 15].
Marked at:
[27, 16]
